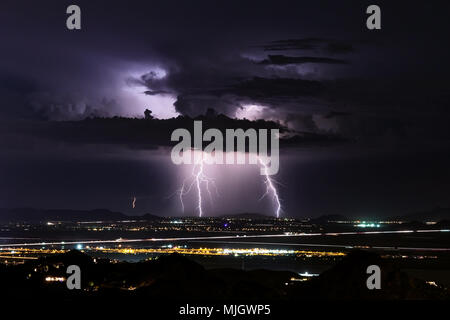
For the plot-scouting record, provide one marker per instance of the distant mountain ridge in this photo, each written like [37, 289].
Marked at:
[40, 215]
[43, 215]
[329, 218]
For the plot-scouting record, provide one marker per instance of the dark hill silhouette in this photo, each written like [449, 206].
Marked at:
[178, 278]
[327, 218]
[171, 277]
[42, 215]
[347, 281]
[71, 257]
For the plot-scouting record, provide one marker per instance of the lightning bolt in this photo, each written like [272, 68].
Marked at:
[197, 179]
[199, 189]
[270, 188]
[134, 202]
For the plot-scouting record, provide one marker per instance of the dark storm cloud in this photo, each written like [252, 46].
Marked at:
[14, 91]
[310, 44]
[334, 114]
[325, 77]
[204, 69]
[285, 60]
[138, 134]
[197, 104]
[277, 87]
[277, 93]
[274, 91]
[156, 92]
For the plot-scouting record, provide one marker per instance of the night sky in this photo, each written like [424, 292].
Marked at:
[312, 66]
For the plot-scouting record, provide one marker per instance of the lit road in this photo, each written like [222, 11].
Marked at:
[230, 237]
[330, 245]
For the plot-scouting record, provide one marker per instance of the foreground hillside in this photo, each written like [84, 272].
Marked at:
[178, 278]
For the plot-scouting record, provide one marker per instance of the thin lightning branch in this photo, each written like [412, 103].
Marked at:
[199, 179]
[270, 188]
[185, 190]
[207, 181]
[181, 197]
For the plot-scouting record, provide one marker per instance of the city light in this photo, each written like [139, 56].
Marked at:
[55, 279]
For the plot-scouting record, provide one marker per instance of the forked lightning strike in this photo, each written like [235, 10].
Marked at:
[197, 178]
[270, 188]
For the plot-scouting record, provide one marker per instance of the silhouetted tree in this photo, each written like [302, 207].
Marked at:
[148, 114]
